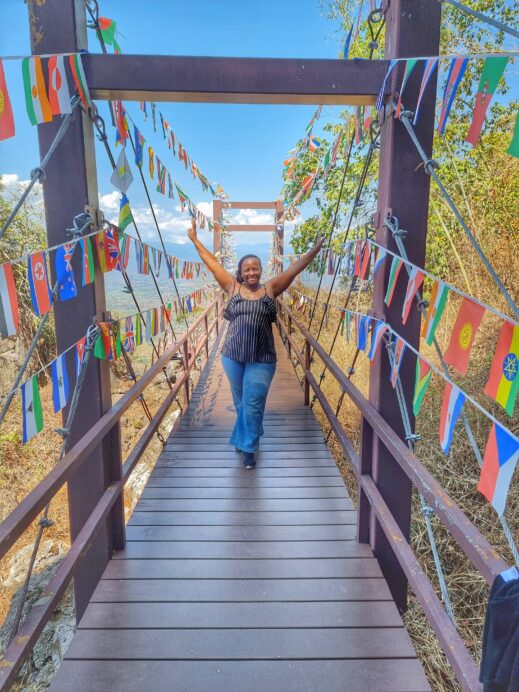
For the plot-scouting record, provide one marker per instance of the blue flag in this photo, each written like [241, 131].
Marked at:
[64, 273]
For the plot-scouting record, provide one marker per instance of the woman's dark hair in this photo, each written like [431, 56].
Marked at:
[242, 260]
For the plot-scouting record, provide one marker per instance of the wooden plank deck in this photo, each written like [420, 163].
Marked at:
[242, 580]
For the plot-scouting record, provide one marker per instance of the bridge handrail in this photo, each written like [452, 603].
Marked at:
[21, 517]
[483, 556]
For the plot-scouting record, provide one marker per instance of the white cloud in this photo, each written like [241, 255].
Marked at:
[13, 185]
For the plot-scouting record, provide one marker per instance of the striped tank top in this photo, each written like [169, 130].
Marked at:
[249, 337]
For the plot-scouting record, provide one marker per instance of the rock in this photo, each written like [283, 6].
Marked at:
[49, 551]
[48, 652]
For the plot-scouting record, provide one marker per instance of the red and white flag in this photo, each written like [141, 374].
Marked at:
[59, 94]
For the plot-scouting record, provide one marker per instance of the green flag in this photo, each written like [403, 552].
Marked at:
[513, 149]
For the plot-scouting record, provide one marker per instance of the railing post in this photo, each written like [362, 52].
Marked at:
[60, 27]
[217, 314]
[412, 29]
[308, 362]
[206, 323]
[289, 328]
[186, 370]
[365, 457]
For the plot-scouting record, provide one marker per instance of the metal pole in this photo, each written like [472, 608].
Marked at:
[70, 184]
[412, 28]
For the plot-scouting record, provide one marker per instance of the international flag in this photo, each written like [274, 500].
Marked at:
[409, 66]
[129, 335]
[59, 94]
[59, 382]
[358, 125]
[112, 252]
[499, 462]
[335, 148]
[137, 330]
[416, 278]
[381, 93]
[396, 266]
[148, 335]
[463, 335]
[31, 409]
[153, 115]
[145, 259]
[376, 337]
[503, 381]
[430, 66]
[64, 272]
[188, 304]
[80, 354]
[398, 356]
[381, 256]
[124, 249]
[345, 49]
[122, 177]
[41, 295]
[7, 128]
[456, 71]
[87, 263]
[143, 108]
[513, 149]
[102, 252]
[138, 255]
[358, 258]
[170, 187]
[161, 177]
[437, 304]
[423, 378]
[121, 124]
[36, 100]
[366, 256]
[182, 197]
[453, 400]
[76, 66]
[154, 321]
[139, 143]
[125, 213]
[9, 315]
[492, 72]
[151, 164]
[107, 30]
[362, 324]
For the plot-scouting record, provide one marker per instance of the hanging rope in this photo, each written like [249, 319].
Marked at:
[38, 172]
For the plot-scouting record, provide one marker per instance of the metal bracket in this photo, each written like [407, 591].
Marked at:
[97, 216]
[413, 437]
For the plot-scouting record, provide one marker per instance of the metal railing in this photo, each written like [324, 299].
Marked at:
[13, 527]
[483, 556]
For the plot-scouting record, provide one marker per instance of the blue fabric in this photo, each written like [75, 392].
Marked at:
[250, 384]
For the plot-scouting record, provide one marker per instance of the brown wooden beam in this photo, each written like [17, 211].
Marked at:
[233, 80]
[251, 227]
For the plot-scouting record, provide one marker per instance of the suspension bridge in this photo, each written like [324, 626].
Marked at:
[227, 579]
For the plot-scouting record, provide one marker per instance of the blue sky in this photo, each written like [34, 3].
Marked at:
[240, 146]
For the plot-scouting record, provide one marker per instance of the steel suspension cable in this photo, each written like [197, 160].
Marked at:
[86, 220]
[430, 165]
[101, 129]
[483, 17]
[44, 521]
[38, 172]
[168, 261]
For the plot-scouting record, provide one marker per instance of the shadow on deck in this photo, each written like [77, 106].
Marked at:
[243, 580]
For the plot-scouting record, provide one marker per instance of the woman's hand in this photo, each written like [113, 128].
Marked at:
[192, 231]
[319, 243]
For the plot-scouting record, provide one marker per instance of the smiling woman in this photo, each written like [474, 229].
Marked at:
[248, 353]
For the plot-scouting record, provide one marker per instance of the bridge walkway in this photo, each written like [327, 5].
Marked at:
[242, 580]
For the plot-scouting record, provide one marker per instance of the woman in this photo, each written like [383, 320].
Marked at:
[248, 354]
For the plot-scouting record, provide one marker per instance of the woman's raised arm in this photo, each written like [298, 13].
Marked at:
[282, 281]
[222, 276]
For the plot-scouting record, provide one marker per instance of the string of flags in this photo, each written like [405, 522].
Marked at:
[125, 334]
[492, 70]
[363, 258]
[502, 447]
[122, 177]
[113, 253]
[44, 98]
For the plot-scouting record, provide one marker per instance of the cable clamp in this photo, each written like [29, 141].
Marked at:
[38, 173]
[46, 523]
[64, 432]
[413, 437]
[431, 165]
[351, 371]
[422, 305]
[426, 511]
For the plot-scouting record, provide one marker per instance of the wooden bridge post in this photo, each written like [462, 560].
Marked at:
[412, 29]
[70, 185]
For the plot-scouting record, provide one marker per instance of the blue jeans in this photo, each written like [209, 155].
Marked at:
[250, 384]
